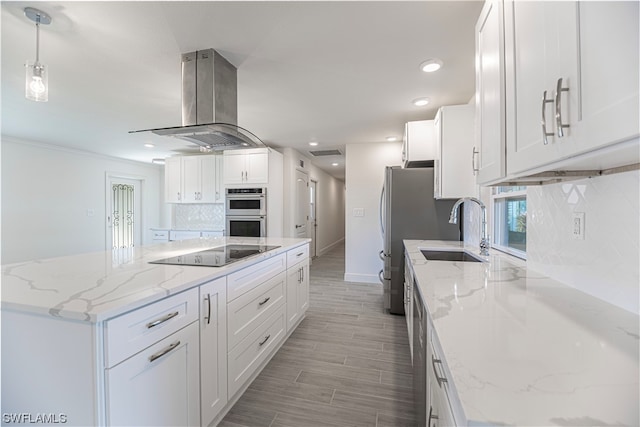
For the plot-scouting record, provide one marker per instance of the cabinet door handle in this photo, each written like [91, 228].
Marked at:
[265, 301]
[161, 353]
[473, 161]
[545, 134]
[261, 343]
[179, 195]
[559, 124]
[440, 379]
[431, 416]
[162, 320]
[208, 316]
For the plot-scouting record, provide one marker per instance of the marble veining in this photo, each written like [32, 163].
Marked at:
[93, 287]
[524, 349]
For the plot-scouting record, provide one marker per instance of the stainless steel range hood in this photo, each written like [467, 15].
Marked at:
[209, 105]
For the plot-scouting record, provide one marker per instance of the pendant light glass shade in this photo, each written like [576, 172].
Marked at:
[36, 87]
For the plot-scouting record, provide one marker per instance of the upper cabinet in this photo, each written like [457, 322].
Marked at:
[250, 166]
[194, 179]
[570, 85]
[453, 169]
[418, 143]
[488, 156]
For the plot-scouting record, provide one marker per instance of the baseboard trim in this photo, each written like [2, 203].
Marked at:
[362, 278]
[330, 247]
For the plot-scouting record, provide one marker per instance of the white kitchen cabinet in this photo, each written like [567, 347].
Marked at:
[183, 235]
[173, 179]
[440, 404]
[297, 292]
[571, 79]
[250, 166]
[158, 386]
[488, 154]
[213, 349]
[418, 143]
[194, 179]
[453, 171]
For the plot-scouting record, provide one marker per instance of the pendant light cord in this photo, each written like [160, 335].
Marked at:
[38, 41]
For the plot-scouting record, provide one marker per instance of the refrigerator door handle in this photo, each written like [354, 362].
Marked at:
[381, 255]
[381, 211]
[380, 276]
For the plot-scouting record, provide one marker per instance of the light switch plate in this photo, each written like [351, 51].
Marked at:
[577, 225]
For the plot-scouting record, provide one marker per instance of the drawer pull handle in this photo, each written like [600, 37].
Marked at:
[162, 320]
[435, 371]
[161, 353]
[300, 254]
[264, 340]
[265, 301]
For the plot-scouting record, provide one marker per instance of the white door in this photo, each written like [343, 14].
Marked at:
[313, 219]
[301, 204]
[123, 213]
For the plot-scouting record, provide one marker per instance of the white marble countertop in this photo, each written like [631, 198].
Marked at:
[526, 350]
[95, 286]
[186, 229]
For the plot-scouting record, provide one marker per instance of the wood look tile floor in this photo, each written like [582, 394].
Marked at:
[347, 363]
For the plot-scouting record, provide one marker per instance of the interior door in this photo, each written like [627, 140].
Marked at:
[301, 204]
[313, 219]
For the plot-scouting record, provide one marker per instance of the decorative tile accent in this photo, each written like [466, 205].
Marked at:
[606, 263]
[198, 216]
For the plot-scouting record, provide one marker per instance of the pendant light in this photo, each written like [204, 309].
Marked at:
[37, 81]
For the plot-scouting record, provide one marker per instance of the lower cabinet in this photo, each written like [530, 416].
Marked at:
[408, 301]
[213, 349]
[440, 405]
[158, 386]
[297, 292]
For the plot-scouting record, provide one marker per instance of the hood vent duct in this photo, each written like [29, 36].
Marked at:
[209, 105]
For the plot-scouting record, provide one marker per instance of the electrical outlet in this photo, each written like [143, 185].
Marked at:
[578, 226]
[358, 212]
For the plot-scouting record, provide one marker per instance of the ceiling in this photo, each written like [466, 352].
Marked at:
[332, 72]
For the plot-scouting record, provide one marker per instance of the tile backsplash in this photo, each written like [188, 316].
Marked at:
[606, 263]
[198, 216]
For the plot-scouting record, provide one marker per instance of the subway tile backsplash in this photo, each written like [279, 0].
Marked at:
[606, 263]
[198, 216]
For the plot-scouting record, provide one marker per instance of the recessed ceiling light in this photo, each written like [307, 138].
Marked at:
[334, 164]
[392, 138]
[148, 145]
[431, 65]
[420, 102]
[313, 143]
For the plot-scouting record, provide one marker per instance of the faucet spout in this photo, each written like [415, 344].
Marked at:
[484, 239]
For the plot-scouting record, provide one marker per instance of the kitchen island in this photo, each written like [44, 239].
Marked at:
[110, 338]
[509, 346]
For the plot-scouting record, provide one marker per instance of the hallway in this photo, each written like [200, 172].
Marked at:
[347, 363]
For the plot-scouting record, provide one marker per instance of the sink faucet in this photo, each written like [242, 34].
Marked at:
[453, 219]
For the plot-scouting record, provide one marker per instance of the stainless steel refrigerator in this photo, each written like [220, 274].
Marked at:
[409, 211]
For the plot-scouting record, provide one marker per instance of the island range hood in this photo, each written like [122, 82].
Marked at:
[209, 105]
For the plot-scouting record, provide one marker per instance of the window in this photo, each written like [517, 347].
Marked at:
[510, 220]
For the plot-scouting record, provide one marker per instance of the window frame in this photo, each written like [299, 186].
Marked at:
[499, 220]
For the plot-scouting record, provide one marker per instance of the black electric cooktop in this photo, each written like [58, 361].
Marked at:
[216, 257]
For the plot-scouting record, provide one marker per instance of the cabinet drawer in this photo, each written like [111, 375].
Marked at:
[248, 311]
[162, 235]
[134, 331]
[248, 278]
[253, 350]
[296, 255]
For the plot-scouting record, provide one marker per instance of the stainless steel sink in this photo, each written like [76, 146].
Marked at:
[455, 255]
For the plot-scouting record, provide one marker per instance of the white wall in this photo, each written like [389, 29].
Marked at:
[364, 178]
[47, 190]
[330, 201]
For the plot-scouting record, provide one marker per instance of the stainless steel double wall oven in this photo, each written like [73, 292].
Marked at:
[246, 212]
